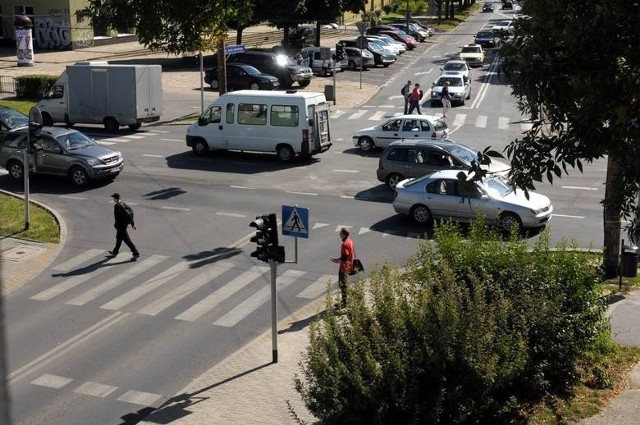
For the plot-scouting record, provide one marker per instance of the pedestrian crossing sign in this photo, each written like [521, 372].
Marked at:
[295, 221]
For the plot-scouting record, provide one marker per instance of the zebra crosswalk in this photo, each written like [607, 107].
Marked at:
[454, 119]
[222, 294]
[125, 138]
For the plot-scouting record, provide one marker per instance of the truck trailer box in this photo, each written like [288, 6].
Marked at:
[101, 93]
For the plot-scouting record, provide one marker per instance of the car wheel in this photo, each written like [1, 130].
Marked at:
[254, 86]
[352, 65]
[462, 102]
[469, 95]
[200, 147]
[285, 153]
[393, 179]
[509, 221]
[78, 176]
[134, 127]
[385, 65]
[420, 214]
[214, 84]
[304, 83]
[47, 120]
[15, 170]
[111, 125]
[366, 144]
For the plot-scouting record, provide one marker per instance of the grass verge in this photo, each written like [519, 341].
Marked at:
[43, 226]
[21, 105]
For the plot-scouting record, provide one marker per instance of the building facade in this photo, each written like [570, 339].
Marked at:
[57, 24]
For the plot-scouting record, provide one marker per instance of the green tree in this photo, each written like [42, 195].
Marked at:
[575, 70]
[175, 26]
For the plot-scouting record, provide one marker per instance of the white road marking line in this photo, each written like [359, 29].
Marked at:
[222, 294]
[175, 208]
[95, 389]
[102, 142]
[152, 155]
[566, 216]
[243, 187]
[301, 193]
[251, 304]
[116, 280]
[64, 286]
[364, 230]
[139, 291]
[357, 115]
[116, 139]
[226, 214]
[377, 116]
[340, 226]
[481, 121]
[318, 287]
[346, 171]
[133, 137]
[78, 198]
[139, 397]
[51, 381]
[62, 349]
[347, 197]
[77, 260]
[208, 274]
[578, 188]
[172, 140]
[337, 114]
[319, 225]
[459, 120]
[503, 123]
[526, 126]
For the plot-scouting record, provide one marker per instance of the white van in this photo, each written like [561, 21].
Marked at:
[289, 123]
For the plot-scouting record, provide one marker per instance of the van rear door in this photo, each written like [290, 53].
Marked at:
[320, 131]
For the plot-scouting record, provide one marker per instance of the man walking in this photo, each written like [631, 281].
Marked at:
[445, 97]
[123, 216]
[406, 92]
[345, 260]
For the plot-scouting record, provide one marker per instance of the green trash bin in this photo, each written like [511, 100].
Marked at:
[629, 266]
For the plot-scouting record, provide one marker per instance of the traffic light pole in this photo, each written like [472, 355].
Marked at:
[274, 312]
[25, 171]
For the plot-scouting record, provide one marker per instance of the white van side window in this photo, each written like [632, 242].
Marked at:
[212, 114]
[285, 115]
[230, 112]
[253, 114]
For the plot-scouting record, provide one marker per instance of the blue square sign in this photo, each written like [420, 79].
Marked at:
[295, 221]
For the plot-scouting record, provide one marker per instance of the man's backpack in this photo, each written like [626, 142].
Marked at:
[129, 212]
[403, 90]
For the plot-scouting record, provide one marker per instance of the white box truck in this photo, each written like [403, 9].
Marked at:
[101, 93]
[289, 123]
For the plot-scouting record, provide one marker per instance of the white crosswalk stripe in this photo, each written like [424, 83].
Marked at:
[318, 287]
[252, 303]
[357, 115]
[230, 288]
[116, 280]
[456, 119]
[77, 260]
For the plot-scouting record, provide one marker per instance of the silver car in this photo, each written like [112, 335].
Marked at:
[63, 152]
[459, 89]
[458, 66]
[357, 58]
[415, 158]
[442, 195]
[400, 127]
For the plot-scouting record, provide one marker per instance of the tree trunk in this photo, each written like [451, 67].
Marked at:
[239, 35]
[612, 218]
[222, 67]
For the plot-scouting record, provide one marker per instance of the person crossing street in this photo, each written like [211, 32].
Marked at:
[123, 215]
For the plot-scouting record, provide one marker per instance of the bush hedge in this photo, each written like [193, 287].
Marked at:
[475, 331]
[33, 86]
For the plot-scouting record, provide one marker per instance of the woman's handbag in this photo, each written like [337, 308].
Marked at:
[357, 267]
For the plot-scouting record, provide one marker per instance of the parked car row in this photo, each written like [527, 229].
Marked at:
[259, 70]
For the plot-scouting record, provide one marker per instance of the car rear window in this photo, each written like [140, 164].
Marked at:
[398, 154]
[439, 125]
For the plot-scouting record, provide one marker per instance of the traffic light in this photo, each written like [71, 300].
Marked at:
[261, 223]
[266, 238]
[340, 53]
[34, 136]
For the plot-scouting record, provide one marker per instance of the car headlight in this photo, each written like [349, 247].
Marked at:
[538, 211]
[93, 161]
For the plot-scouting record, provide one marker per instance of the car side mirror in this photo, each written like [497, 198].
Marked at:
[202, 121]
[433, 85]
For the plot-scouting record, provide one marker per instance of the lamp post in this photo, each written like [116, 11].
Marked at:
[408, 15]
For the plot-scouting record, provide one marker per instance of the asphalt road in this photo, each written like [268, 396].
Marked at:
[93, 340]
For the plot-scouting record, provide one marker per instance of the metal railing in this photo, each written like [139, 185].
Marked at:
[7, 84]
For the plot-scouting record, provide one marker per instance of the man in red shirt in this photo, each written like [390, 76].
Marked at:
[347, 255]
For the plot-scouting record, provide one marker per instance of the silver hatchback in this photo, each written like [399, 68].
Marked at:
[60, 151]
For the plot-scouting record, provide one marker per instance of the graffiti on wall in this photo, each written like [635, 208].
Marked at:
[51, 33]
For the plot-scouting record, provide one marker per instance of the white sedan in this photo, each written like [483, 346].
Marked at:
[459, 89]
[442, 195]
[400, 127]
